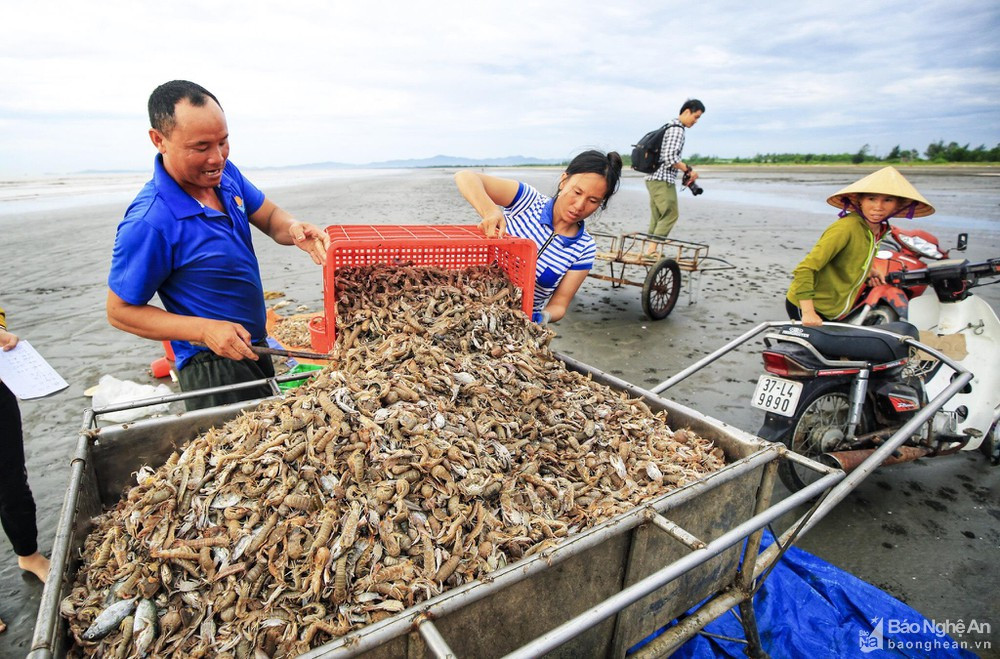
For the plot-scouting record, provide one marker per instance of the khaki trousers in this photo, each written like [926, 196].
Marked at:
[663, 211]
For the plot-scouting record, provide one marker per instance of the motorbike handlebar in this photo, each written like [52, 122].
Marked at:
[945, 270]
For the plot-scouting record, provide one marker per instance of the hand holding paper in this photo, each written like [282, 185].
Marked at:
[26, 373]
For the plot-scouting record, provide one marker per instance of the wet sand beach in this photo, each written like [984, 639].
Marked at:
[926, 532]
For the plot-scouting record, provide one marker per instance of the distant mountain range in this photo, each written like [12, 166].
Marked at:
[434, 161]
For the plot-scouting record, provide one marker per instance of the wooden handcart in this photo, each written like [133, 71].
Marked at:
[663, 260]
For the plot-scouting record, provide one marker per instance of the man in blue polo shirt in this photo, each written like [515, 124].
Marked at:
[186, 237]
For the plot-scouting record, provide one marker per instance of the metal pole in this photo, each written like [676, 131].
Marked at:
[42, 640]
[184, 395]
[802, 460]
[740, 595]
[711, 357]
[686, 628]
[754, 649]
[676, 532]
[744, 576]
[576, 626]
[435, 642]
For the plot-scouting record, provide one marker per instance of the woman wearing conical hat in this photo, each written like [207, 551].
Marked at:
[826, 283]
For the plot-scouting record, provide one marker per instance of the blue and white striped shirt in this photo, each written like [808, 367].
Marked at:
[529, 215]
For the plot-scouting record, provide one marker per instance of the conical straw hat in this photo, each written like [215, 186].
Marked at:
[889, 181]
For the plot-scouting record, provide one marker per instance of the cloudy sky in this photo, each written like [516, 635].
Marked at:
[356, 82]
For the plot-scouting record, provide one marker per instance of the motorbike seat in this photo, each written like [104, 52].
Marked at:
[857, 344]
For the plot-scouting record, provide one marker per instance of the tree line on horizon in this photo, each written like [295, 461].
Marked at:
[936, 152]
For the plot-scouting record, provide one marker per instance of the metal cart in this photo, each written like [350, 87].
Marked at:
[595, 594]
[662, 284]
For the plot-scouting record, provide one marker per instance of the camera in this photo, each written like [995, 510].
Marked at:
[690, 185]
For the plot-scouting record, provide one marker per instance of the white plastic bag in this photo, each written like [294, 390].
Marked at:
[110, 391]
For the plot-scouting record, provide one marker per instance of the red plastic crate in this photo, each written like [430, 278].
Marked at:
[445, 246]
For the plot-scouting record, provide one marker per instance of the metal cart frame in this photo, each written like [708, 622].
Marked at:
[670, 554]
[662, 283]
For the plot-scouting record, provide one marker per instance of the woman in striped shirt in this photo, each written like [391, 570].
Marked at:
[565, 250]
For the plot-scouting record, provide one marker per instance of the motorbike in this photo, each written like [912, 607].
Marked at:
[834, 393]
[900, 250]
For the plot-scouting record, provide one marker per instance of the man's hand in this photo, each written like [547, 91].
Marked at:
[226, 339]
[286, 230]
[494, 225]
[7, 340]
[310, 239]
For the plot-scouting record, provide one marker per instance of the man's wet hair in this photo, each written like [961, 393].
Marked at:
[692, 104]
[165, 98]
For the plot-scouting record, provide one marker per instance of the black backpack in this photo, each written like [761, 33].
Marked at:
[646, 154]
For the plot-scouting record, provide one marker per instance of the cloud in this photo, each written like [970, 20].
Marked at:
[355, 82]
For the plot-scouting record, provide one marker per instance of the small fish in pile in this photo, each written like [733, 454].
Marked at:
[450, 443]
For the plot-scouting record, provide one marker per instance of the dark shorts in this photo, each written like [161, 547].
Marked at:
[206, 369]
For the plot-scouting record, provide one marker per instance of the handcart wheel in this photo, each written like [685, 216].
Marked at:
[659, 292]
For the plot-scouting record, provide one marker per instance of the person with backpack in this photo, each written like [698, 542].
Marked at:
[661, 183]
[566, 251]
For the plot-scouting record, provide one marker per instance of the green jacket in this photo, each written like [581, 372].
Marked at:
[833, 272]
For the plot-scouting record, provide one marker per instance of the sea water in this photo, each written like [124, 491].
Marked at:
[19, 196]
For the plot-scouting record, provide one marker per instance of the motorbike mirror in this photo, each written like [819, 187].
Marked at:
[963, 242]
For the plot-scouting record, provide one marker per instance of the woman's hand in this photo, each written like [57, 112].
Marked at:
[485, 193]
[875, 279]
[7, 340]
[541, 317]
[811, 319]
[494, 224]
[809, 316]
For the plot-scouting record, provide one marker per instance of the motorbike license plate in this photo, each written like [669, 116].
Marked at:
[776, 395]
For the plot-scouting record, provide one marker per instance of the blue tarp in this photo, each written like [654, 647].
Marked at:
[810, 608]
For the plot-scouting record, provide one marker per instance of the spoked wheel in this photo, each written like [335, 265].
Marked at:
[821, 427]
[660, 291]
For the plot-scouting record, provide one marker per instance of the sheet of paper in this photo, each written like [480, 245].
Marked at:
[27, 374]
